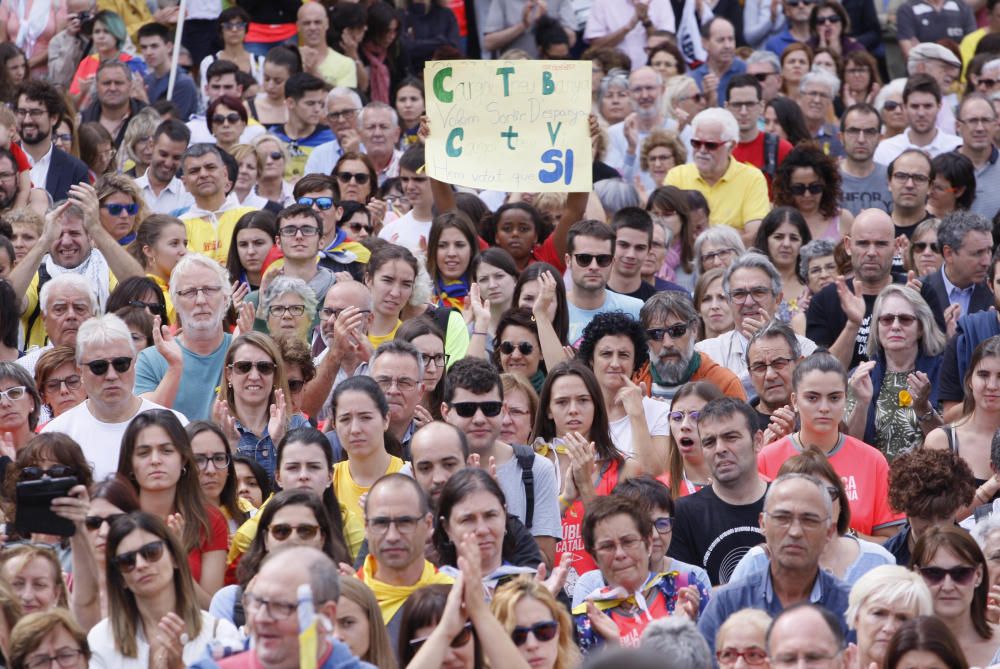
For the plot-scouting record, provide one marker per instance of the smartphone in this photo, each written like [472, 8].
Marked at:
[34, 507]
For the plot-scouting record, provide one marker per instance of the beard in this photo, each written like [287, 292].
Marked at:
[671, 372]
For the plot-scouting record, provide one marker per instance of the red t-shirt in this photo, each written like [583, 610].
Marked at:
[546, 252]
[20, 159]
[862, 468]
[217, 541]
[572, 524]
[752, 153]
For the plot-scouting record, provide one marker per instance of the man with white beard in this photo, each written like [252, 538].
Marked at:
[671, 322]
[645, 87]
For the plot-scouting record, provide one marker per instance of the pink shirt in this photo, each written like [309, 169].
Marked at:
[9, 18]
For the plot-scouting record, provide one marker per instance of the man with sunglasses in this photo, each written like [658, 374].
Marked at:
[473, 402]
[156, 44]
[796, 14]
[863, 183]
[305, 98]
[105, 357]
[765, 67]
[977, 125]
[671, 322]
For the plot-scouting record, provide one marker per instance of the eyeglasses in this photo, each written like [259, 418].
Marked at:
[698, 145]
[469, 409]
[627, 544]
[53, 472]
[833, 19]
[918, 179]
[120, 364]
[796, 3]
[233, 26]
[756, 293]
[906, 320]
[232, 119]
[861, 132]
[275, 609]
[762, 76]
[13, 394]
[460, 639]
[94, 523]
[663, 524]
[404, 524]
[218, 460]
[777, 365]
[356, 228]
[833, 492]
[327, 312]
[305, 230]
[64, 657]
[586, 259]
[295, 385]
[961, 575]
[360, 178]
[29, 113]
[192, 293]
[305, 531]
[697, 97]
[891, 105]
[543, 631]
[154, 307]
[507, 347]
[807, 521]
[343, 115]
[54, 385]
[801, 189]
[264, 367]
[321, 203]
[678, 416]
[920, 247]
[404, 383]
[675, 331]
[752, 656]
[823, 95]
[282, 309]
[436, 359]
[981, 121]
[709, 257]
[151, 552]
[988, 83]
[117, 209]
[64, 137]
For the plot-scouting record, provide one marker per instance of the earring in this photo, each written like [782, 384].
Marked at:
[184, 470]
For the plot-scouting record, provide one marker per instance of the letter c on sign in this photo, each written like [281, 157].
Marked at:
[453, 146]
[439, 90]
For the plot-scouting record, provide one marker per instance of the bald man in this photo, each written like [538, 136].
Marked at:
[317, 58]
[646, 88]
[839, 315]
[807, 632]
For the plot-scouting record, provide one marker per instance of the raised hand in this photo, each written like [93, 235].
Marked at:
[919, 385]
[631, 130]
[84, 196]
[689, 601]
[74, 507]
[913, 281]
[751, 324]
[480, 309]
[175, 522]
[222, 418]
[246, 317]
[377, 209]
[421, 416]
[603, 625]
[240, 291]
[782, 424]
[555, 581]
[582, 464]
[630, 397]
[861, 382]
[278, 418]
[951, 316]
[424, 129]
[166, 345]
[546, 296]
[7, 445]
[166, 643]
[852, 303]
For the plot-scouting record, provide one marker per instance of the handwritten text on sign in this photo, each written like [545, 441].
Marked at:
[517, 125]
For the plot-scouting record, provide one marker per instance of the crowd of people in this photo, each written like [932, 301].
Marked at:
[272, 397]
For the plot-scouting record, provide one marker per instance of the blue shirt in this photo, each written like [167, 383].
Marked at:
[262, 448]
[756, 592]
[185, 94]
[780, 42]
[198, 383]
[578, 318]
[955, 294]
[699, 73]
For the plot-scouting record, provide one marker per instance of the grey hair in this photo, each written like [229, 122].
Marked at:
[377, 106]
[143, 124]
[324, 577]
[985, 527]
[932, 340]
[957, 225]
[616, 194]
[724, 117]
[68, 280]
[676, 640]
[795, 476]
[616, 78]
[191, 260]
[817, 248]
[765, 57]
[717, 235]
[894, 87]
[287, 284]
[399, 347]
[667, 302]
[344, 92]
[199, 150]
[823, 78]
[101, 330]
[753, 260]
[774, 330]
[674, 89]
[991, 65]
[889, 584]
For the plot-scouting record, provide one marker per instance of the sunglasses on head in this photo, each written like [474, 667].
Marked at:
[151, 552]
[100, 367]
[961, 575]
[802, 189]
[117, 209]
[53, 472]
[305, 531]
[508, 347]
[154, 307]
[322, 203]
[232, 118]
[920, 247]
[460, 639]
[675, 331]
[356, 228]
[265, 367]
[360, 178]
[468, 409]
[543, 631]
[585, 259]
[698, 145]
[94, 523]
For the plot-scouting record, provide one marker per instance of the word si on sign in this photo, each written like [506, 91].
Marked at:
[519, 125]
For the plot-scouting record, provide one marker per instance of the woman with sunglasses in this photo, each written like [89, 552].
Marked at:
[109, 499]
[809, 181]
[359, 625]
[391, 272]
[156, 457]
[356, 221]
[272, 156]
[154, 618]
[297, 358]
[425, 334]
[889, 103]
[830, 28]
[496, 273]
[954, 568]
[256, 393]
[160, 242]
[356, 177]
[227, 120]
[20, 405]
[253, 238]
[744, 637]
[537, 623]
[58, 381]
[216, 472]
[123, 208]
[924, 255]
[516, 347]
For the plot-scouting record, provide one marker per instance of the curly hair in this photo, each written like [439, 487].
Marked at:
[611, 324]
[809, 155]
[930, 483]
[659, 138]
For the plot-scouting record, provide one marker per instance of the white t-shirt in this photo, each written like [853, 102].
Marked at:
[407, 231]
[104, 654]
[101, 442]
[657, 420]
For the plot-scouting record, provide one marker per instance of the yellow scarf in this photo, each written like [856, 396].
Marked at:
[392, 597]
[542, 447]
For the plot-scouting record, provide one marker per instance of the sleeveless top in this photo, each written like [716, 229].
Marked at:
[952, 435]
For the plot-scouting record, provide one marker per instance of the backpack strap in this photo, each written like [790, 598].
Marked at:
[239, 614]
[525, 460]
[43, 278]
[771, 142]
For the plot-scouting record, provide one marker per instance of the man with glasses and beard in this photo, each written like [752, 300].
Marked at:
[645, 87]
[105, 357]
[671, 322]
[8, 180]
[38, 108]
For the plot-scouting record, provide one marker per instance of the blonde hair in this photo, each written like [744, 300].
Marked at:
[516, 382]
[109, 184]
[380, 651]
[508, 596]
[268, 137]
[931, 339]
[18, 557]
[25, 216]
[31, 630]
[889, 584]
[754, 619]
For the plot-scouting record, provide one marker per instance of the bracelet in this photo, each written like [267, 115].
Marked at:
[930, 415]
[474, 333]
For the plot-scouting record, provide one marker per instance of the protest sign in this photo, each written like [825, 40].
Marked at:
[519, 125]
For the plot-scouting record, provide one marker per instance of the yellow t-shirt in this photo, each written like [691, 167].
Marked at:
[338, 70]
[38, 337]
[738, 197]
[213, 241]
[165, 287]
[378, 340]
[348, 492]
[968, 49]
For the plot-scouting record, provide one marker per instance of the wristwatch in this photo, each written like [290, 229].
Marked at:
[923, 418]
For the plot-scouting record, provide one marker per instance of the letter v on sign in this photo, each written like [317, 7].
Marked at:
[553, 134]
